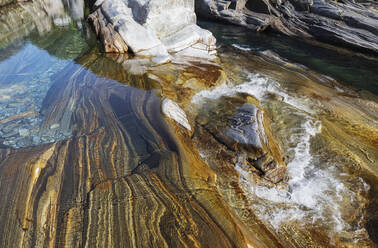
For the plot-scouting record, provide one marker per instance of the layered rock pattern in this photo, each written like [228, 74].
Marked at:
[126, 177]
[353, 148]
[153, 28]
[349, 23]
[112, 41]
[123, 180]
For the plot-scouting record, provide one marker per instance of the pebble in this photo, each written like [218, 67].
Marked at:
[23, 132]
[54, 126]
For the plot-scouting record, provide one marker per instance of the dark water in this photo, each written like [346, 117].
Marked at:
[357, 70]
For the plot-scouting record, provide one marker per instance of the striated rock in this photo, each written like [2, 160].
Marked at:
[154, 28]
[349, 23]
[127, 177]
[104, 30]
[244, 129]
[247, 129]
[178, 82]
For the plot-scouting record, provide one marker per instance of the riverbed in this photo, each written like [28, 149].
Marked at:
[105, 150]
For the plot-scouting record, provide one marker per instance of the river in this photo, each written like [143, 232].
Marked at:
[103, 149]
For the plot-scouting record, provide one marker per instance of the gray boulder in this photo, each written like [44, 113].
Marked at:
[345, 22]
[152, 28]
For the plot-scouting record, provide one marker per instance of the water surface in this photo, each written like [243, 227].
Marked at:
[350, 68]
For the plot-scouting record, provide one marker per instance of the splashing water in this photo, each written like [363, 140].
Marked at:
[257, 86]
[317, 190]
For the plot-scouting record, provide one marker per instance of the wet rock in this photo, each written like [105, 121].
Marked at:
[244, 126]
[29, 113]
[54, 126]
[349, 23]
[243, 132]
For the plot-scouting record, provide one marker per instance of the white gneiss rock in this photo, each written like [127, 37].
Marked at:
[158, 27]
[173, 111]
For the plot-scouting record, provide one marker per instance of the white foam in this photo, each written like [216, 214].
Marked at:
[243, 48]
[310, 195]
[257, 86]
[316, 193]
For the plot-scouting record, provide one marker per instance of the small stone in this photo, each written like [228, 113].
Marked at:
[54, 126]
[23, 132]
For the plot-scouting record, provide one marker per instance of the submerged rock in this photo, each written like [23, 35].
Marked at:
[104, 30]
[242, 131]
[352, 24]
[155, 28]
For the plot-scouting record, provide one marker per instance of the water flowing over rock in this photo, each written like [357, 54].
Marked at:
[151, 28]
[349, 23]
[244, 133]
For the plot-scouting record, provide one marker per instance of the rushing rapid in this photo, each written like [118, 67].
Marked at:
[319, 191]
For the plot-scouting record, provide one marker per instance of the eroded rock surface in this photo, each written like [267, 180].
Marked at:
[350, 23]
[241, 131]
[125, 166]
[151, 28]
